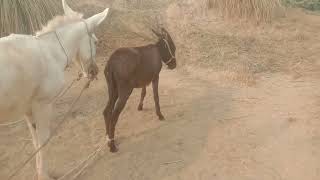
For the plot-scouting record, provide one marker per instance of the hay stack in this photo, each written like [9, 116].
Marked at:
[26, 16]
[258, 10]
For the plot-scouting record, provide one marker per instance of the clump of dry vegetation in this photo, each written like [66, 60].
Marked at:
[242, 51]
[26, 16]
[258, 10]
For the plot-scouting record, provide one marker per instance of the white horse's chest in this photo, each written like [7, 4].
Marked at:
[26, 75]
[51, 84]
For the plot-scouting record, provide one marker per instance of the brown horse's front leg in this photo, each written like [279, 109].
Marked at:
[155, 84]
[143, 95]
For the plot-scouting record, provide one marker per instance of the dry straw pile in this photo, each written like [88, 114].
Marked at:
[26, 16]
[258, 10]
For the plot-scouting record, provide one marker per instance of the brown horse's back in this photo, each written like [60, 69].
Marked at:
[136, 66]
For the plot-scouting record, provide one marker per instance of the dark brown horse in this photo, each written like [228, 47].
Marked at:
[135, 67]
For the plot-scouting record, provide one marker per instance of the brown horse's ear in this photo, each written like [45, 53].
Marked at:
[156, 33]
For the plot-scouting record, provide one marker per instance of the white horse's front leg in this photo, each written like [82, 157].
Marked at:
[42, 114]
[30, 120]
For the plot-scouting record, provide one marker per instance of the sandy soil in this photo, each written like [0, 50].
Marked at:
[225, 120]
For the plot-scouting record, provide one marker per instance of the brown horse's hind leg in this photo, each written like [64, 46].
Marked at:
[155, 84]
[108, 111]
[113, 96]
[124, 93]
[143, 94]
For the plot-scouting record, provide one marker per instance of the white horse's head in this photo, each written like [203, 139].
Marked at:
[87, 47]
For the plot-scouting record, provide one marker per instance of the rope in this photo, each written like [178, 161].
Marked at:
[91, 156]
[63, 48]
[63, 92]
[22, 165]
[12, 123]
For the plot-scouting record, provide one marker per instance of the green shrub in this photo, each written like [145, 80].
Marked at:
[313, 5]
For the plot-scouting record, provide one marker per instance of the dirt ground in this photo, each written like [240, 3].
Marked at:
[243, 103]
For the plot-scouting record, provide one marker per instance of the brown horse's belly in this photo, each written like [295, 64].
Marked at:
[140, 83]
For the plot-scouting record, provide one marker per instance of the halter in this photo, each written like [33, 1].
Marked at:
[90, 35]
[172, 56]
[65, 51]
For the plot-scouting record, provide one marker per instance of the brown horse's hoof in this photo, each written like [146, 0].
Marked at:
[140, 107]
[34, 125]
[161, 118]
[113, 149]
[112, 146]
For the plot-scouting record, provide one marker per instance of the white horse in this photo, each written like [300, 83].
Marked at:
[32, 71]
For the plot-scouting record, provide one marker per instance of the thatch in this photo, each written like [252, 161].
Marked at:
[26, 16]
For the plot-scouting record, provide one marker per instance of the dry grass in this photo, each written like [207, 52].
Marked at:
[26, 16]
[257, 10]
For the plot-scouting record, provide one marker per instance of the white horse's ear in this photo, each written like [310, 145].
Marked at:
[66, 8]
[95, 20]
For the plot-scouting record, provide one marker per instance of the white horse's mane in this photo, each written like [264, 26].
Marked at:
[59, 21]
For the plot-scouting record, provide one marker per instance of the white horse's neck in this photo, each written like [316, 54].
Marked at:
[64, 42]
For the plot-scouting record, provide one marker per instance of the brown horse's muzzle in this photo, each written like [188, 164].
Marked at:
[173, 64]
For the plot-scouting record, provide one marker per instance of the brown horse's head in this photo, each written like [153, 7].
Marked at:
[167, 48]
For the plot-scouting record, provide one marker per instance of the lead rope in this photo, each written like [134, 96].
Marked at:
[64, 49]
[11, 123]
[91, 58]
[82, 162]
[63, 92]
